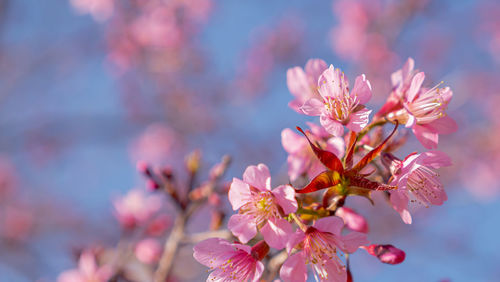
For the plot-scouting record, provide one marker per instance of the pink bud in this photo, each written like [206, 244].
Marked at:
[143, 167]
[148, 251]
[152, 185]
[352, 220]
[386, 253]
[159, 225]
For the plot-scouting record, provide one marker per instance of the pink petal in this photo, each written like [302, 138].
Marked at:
[333, 127]
[314, 68]
[258, 176]
[416, 83]
[294, 269]
[296, 79]
[71, 276]
[294, 240]
[427, 137]
[296, 166]
[336, 272]
[358, 120]
[242, 226]
[362, 89]
[411, 121]
[295, 105]
[312, 107]
[444, 125]
[291, 141]
[434, 159]
[399, 201]
[259, 269]
[213, 252]
[285, 196]
[87, 264]
[353, 241]
[332, 224]
[352, 220]
[276, 232]
[336, 145]
[239, 193]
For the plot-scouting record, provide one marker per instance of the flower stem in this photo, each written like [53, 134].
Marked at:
[299, 222]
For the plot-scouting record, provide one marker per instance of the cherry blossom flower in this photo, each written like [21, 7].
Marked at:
[352, 220]
[303, 83]
[136, 207]
[421, 109]
[88, 271]
[231, 262]
[260, 207]
[415, 176]
[320, 246]
[148, 250]
[338, 107]
[386, 253]
[301, 158]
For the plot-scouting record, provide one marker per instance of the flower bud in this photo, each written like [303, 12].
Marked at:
[386, 253]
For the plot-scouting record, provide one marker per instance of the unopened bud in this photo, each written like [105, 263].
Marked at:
[260, 250]
[193, 161]
[386, 253]
[152, 185]
[352, 220]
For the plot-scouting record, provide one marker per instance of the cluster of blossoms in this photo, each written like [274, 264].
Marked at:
[293, 227]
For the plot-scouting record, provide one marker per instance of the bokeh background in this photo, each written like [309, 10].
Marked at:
[89, 87]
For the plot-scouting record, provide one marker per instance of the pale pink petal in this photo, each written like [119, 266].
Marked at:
[294, 239]
[428, 138]
[296, 166]
[276, 232]
[444, 125]
[314, 68]
[285, 196]
[353, 241]
[239, 193]
[71, 276]
[352, 220]
[294, 269]
[358, 120]
[312, 107]
[333, 127]
[258, 176]
[446, 94]
[317, 130]
[213, 252]
[295, 105]
[296, 80]
[416, 83]
[259, 269]
[411, 121]
[336, 272]
[333, 83]
[291, 141]
[336, 145]
[399, 201]
[87, 263]
[332, 224]
[362, 89]
[242, 226]
[434, 159]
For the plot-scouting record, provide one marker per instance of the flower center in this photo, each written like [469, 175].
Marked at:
[319, 247]
[261, 208]
[424, 184]
[237, 268]
[341, 107]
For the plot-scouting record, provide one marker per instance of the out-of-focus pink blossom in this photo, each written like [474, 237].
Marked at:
[158, 225]
[155, 145]
[320, 246]
[136, 207]
[303, 83]
[148, 250]
[386, 253]
[415, 177]
[338, 106]
[260, 207]
[101, 10]
[301, 158]
[352, 220]
[229, 262]
[18, 222]
[88, 270]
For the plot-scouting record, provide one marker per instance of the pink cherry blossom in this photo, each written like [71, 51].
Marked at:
[301, 158]
[136, 207]
[421, 109]
[386, 253]
[148, 250]
[303, 83]
[352, 220]
[338, 106]
[88, 270]
[320, 246]
[415, 177]
[229, 262]
[260, 207]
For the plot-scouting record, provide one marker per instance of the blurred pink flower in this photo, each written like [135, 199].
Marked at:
[88, 271]
[229, 262]
[415, 176]
[136, 207]
[352, 220]
[338, 107]
[301, 158]
[101, 10]
[260, 207]
[155, 145]
[320, 247]
[148, 250]
[303, 83]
